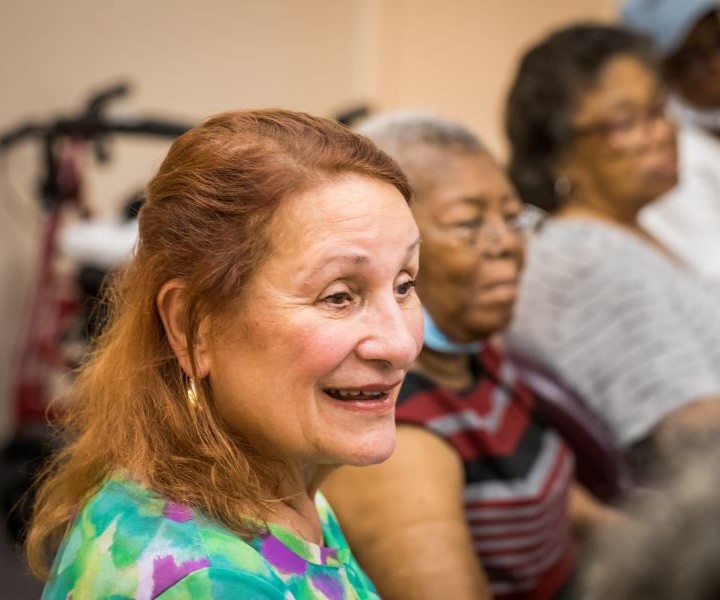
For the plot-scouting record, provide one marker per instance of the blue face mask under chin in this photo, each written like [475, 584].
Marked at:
[436, 340]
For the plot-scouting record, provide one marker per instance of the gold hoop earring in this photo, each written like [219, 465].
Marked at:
[192, 394]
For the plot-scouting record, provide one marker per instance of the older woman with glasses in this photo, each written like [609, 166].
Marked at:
[603, 304]
[473, 504]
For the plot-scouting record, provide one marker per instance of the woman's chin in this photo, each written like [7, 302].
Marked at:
[489, 319]
[372, 450]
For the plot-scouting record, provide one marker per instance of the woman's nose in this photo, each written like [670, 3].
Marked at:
[394, 334]
[498, 238]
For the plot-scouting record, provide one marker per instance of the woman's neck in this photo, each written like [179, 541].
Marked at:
[296, 511]
[451, 371]
[626, 217]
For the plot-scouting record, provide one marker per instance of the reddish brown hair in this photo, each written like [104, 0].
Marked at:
[205, 221]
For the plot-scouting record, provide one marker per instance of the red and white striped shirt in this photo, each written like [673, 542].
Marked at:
[517, 475]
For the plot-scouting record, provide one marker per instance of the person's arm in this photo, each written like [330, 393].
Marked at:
[697, 421]
[586, 513]
[404, 520]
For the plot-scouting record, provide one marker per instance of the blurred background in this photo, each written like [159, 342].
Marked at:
[183, 60]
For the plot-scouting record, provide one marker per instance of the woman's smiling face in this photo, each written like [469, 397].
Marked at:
[308, 368]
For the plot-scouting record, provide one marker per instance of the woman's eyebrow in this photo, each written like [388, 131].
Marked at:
[355, 259]
[413, 247]
[510, 198]
[478, 200]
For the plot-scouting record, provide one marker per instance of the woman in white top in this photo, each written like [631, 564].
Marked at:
[602, 303]
[687, 35]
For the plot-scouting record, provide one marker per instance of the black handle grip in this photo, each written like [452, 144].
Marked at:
[18, 134]
[98, 100]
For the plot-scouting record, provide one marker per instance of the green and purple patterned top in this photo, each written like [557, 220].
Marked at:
[127, 542]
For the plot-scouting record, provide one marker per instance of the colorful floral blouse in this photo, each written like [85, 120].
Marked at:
[127, 542]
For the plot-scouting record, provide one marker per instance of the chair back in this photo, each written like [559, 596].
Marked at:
[600, 465]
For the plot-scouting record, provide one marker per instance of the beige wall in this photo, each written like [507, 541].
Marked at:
[187, 59]
[458, 56]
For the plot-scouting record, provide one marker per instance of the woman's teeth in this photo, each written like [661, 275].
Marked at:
[354, 394]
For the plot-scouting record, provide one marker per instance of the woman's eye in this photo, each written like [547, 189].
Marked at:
[514, 221]
[622, 124]
[338, 299]
[405, 288]
[469, 224]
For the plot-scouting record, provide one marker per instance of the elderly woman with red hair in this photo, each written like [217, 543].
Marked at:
[259, 340]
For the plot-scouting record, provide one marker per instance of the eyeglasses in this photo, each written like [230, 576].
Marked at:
[628, 130]
[481, 231]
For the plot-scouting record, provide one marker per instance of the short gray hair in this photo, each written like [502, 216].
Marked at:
[398, 130]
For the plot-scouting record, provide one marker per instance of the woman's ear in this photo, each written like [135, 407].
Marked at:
[170, 303]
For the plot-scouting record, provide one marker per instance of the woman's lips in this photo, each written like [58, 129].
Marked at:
[370, 398]
[505, 290]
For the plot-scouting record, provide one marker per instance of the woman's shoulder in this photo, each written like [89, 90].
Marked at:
[582, 240]
[579, 274]
[129, 541]
[581, 257]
